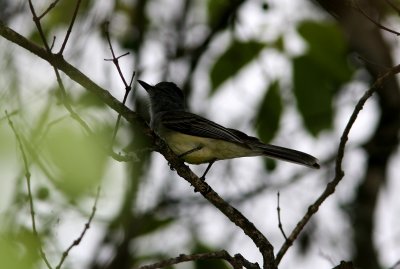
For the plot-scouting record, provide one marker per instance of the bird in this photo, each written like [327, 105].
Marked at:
[197, 140]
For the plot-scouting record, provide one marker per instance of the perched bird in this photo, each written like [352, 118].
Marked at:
[198, 140]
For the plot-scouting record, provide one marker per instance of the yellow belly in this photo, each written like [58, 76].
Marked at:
[210, 149]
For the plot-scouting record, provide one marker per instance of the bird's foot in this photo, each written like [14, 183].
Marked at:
[206, 189]
[171, 167]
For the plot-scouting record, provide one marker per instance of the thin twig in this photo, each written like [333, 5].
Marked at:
[278, 209]
[114, 58]
[339, 173]
[85, 229]
[36, 20]
[53, 43]
[128, 87]
[358, 8]
[233, 214]
[116, 127]
[78, 2]
[28, 184]
[237, 262]
[76, 75]
[51, 6]
[394, 266]
[369, 62]
[64, 97]
[396, 8]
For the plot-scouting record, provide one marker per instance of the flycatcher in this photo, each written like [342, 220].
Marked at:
[198, 140]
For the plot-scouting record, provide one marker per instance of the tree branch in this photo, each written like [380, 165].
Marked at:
[339, 173]
[78, 3]
[232, 213]
[128, 87]
[359, 9]
[237, 261]
[85, 229]
[75, 74]
[229, 211]
[28, 185]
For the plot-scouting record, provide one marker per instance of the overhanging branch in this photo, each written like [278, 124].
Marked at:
[76, 75]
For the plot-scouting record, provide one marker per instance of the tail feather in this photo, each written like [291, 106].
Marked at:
[289, 155]
[285, 154]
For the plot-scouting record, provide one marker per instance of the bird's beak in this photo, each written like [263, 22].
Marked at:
[146, 86]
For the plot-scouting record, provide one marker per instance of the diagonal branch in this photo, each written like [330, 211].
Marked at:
[85, 229]
[63, 91]
[232, 213]
[339, 173]
[28, 184]
[78, 3]
[51, 6]
[76, 75]
[359, 9]
[128, 87]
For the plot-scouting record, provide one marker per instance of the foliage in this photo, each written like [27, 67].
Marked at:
[319, 74]
[63, 148]
[232, 60]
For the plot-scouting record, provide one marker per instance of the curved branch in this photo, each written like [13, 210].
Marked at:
[339, 173]
[58, 61]
[232, 213]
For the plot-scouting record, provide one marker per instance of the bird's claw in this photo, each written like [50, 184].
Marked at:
[171, 167]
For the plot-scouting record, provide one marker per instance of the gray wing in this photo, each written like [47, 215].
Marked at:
[192, 124]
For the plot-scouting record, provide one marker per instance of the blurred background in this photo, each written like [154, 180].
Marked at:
[287, 71]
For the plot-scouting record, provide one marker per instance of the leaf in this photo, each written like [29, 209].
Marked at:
[235, 57]
[318, 74]
[215, 9]
[77, 160]
[314, 94]
[149, 223]
[18, 250]
[269, 114]
[62, 14]
[328, 48]
[88, 99]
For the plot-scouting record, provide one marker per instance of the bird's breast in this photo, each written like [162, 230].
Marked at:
[208, 149]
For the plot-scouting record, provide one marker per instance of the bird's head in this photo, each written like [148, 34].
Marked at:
[164, 96]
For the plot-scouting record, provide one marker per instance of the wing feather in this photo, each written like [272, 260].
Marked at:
[192, 124]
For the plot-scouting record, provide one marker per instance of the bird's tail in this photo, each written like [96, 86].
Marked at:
[289, 155]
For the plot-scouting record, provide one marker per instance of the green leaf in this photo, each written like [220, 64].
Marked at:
[18, 250]
[215, 9]
[235, 57]
[319, 74]
[269, 114]
[149, 223]
[78, 162]
[88, 99]
[327, 47]
[63, 12]
[314, 94]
